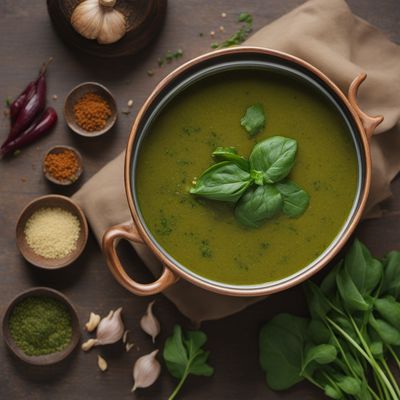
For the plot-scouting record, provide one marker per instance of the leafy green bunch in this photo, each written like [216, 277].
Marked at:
[353, 329]
[258, 186]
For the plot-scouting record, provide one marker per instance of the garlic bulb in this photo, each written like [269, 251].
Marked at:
[98, 19]
[146, 371]
[149, 322]
[110, 328]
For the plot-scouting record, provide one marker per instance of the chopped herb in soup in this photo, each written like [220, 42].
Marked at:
[204, 235]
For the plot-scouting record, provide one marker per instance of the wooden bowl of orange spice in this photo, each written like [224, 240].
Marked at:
[90, 109]
[62, 165]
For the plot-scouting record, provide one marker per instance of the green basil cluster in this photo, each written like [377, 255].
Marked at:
[258, 186]
[352, 335]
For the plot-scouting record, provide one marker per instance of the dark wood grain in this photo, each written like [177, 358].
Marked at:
[27, 39]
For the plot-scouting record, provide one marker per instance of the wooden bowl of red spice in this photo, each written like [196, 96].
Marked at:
[62, 165]
[90, 109]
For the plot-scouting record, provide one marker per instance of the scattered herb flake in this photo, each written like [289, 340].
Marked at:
[245, 17]
[205, 249]
[150, 72]
[7, 102]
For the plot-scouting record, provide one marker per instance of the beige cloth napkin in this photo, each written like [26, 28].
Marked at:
[329, 36]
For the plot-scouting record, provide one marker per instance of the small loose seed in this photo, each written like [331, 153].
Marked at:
[221, 29]
[55, 97]
[223, 15]
[102, 363]
[212, 34]
[130, 103]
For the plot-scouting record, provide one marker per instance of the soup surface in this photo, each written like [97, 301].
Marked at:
[203, 235]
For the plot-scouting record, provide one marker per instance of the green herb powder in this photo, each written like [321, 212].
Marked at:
[40, 325]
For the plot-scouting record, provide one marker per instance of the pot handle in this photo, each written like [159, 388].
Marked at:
[369, 122]
[128, 231]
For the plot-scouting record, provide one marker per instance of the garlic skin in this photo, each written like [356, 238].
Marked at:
[110, 328]
[113, 27]
[149, 322]
[94, 320]
[87, 19]
[146, 371]
[98, 19]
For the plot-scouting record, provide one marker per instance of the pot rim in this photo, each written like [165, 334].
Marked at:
[307, 271]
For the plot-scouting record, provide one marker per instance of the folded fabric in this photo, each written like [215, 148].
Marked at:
[329, 36]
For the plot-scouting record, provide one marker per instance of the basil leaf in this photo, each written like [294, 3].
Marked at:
[391, 278]
[295, 199]
[183, 355]
[274, 157]
[253, 120]
[387, 332]
[230, 154]
[281, 350]
[258, 204]
[224, 181]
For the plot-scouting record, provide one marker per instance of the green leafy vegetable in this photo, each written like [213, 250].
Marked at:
[353, 329]
[281, 350]
[224, 181]
[274, 157]
[183, 355]
[258, 204]
[295, 199]
[253, 120]
[230, 154]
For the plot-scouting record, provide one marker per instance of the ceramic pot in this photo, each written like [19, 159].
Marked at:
[361, 126]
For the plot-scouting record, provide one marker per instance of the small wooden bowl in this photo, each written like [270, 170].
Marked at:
[52, 200]
[57, 150]
[48, 358]
[75, 94]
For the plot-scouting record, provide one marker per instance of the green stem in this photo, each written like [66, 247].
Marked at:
[313, 381]
[378, 386]
[178, 387]
[370, 360]
[394, 355]
[391, 377]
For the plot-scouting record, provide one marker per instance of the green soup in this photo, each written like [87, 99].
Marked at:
[203, 235]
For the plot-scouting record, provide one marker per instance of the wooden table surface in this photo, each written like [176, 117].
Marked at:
[27, 39]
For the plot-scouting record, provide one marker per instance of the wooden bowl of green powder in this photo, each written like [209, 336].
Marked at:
[51, 232]
[41, 326]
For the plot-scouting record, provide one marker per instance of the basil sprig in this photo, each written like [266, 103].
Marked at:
[259, 185]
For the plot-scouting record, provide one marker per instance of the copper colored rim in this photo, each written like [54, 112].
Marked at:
[306, 274]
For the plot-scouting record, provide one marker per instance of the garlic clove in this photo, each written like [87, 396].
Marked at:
[102, 363]
[87, 19]
[113, 27]
[110, 328]
[94, 320]
[146, 371]
[89, 344]
[149, 322]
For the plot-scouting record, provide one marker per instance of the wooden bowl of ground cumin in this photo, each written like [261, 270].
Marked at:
[51, 232]
[90, 109]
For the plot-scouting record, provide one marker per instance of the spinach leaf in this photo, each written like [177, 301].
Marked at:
[224, 181]
[183, 355]
[389, 309]
[295, 199]
[258, 204]
[321, 354]
[230, 154]
[253, 120]
[333, 392]
[349, 385]
[274, 157]
[318, 332]
[391, 278]
[387, 332]
[281, 350]
[349, 292]
[365, 271]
